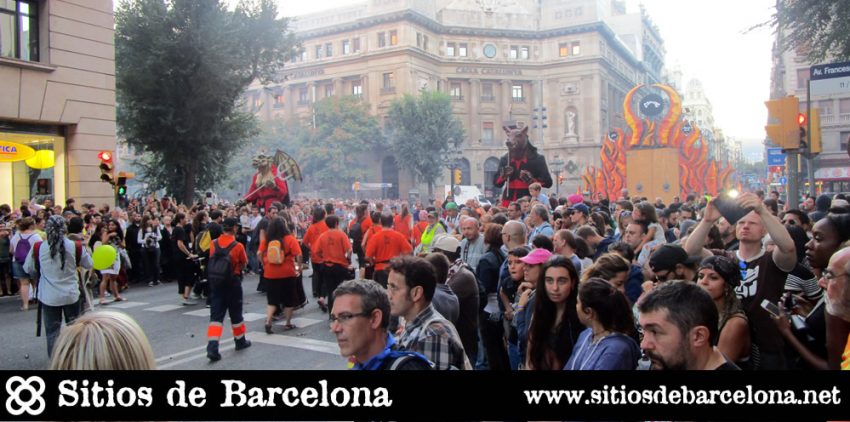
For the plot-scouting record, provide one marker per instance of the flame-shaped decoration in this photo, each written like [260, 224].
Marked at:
[697, 173]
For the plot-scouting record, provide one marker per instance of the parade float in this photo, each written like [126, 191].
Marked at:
[660, 153]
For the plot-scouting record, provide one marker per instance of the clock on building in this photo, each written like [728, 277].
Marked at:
[490, 51]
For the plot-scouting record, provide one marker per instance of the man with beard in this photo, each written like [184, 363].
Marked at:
[680, 328]
[520, 167]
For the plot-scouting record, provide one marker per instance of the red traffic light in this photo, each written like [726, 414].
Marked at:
[104, 156]
[801, 119]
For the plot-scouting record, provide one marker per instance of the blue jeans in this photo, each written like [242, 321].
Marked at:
[52, 316]
[253, 262]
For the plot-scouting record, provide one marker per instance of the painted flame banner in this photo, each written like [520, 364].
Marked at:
[697, 172]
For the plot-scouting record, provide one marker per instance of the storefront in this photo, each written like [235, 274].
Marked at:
[833, 179]
[32, 166]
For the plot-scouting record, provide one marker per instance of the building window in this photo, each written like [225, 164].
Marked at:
[563, 49]
[346, 47]
[524, 52]
[488, 133]
[19, 29]
[461, 50]
[802, 78]
[303, 96]
[516, 93]
[279, 98]
[419, 40]
[356, 88]
[329, 50]
[303, 55]
[318, 52]
[455, 91]
[389, 83]
[356, 46]
[329, 90]
[576, 48]
[450, 49]
[393, 37]
[825, 107]
[514, 52]
[844, 138]
[487, 92]
[382, 39]
[425, 42]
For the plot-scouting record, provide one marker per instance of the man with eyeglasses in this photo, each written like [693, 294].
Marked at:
[797, 218]
[763, 273]
[834, 281]
[359, 320]
[411, 286]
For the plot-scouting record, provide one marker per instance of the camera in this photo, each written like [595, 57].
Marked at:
[149, 242]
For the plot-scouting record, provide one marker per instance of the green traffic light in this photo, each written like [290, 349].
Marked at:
[122, 190]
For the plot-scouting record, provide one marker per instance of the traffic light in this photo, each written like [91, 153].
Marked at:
[107, 167]
[814, 135]
[782, 118]
[458, 176]
[560, 179]
[121, 185]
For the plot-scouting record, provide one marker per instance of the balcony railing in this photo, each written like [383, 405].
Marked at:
[488, 98]
[388, 90]
[457, 97]
[518, 99]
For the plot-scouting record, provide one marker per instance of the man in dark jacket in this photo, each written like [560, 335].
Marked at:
[134, 249]
[520, 167]
[822, 208]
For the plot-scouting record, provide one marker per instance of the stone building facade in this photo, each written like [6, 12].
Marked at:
[561, 67]
[57, 78]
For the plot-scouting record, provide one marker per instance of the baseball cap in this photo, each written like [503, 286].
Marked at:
[668, 256]
[445, 243]
[581, 208]
[537, 256]
[230, 223]
[575, 198]
[451, 206]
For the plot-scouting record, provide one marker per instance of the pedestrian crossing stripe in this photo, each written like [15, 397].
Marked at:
[124, 305]
[164, 308]
[301, 322]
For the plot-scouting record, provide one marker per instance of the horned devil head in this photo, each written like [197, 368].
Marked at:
[517, 138]
[261, 162]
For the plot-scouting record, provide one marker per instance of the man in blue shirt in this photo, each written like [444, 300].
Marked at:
[538, 218]
[359, 319]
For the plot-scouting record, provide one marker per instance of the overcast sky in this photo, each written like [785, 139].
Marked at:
[707, 40]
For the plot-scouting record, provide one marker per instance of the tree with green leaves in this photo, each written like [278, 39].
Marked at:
[332, 154]
[819, 27]
[420, 129]
[181, 69]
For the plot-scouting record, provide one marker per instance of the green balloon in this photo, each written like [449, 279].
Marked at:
[104, 257]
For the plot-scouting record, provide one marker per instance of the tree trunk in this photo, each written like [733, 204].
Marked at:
[189, 183]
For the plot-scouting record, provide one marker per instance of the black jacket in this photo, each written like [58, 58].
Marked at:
[534, 163]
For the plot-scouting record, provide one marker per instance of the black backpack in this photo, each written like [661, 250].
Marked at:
[219, 268]
[356, 232]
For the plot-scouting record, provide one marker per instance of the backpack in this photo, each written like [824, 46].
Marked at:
[356, 232]
[219, 268]
[274, 252]
[482, 292]
[202, 242]
[23, 248]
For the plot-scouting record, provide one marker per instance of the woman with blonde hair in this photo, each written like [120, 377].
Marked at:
[103, 340]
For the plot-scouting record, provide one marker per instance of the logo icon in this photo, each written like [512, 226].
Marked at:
[15, 404]
[652, 105]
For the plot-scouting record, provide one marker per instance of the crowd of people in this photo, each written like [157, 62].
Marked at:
[539, 283]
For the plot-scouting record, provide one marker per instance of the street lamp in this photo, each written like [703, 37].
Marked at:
[558, 165]
[452, 156]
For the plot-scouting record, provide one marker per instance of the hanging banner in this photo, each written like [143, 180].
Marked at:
[11, 152]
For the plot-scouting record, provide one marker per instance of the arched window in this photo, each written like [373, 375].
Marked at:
[465, 172]
[491, 167]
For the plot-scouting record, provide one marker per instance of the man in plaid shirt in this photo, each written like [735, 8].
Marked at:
[411, 285]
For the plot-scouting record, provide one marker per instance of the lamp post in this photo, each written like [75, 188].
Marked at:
[558, 165]
[452, 156]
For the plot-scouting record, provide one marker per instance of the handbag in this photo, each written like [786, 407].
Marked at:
[125, 259]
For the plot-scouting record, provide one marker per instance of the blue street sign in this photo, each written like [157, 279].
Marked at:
[783, 180]
[775, 157]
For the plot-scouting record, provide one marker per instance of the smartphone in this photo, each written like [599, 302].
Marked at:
[729, 209]
[771, 307]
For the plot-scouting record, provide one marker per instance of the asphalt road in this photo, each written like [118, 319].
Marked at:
[177, 333]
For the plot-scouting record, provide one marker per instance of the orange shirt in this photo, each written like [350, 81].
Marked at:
[387, 245]
[418, 229]
[332, 247]
[290, 249]
[238, 258]
[402, 225]
[313, 232]
[364, 226]
[368, 234]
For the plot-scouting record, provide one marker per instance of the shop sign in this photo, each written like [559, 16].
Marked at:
[12, 151]
[832, 173]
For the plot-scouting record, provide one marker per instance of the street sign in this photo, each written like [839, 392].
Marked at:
[783, 180]
[775, 157]
[830, 79]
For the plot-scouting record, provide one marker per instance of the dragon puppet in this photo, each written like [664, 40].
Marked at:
[269, 184]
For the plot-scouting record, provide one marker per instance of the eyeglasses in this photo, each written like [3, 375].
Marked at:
[790, 222]
[829, 275]
[660, 277]
[345, 317]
